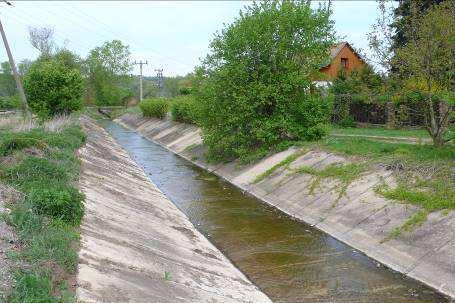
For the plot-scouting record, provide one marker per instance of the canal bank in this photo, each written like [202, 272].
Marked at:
[136, 246]
[360, 218]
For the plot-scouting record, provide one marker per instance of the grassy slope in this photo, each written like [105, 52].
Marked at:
[42, 165]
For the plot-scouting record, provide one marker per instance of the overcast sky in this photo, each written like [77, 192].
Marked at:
[169, 35]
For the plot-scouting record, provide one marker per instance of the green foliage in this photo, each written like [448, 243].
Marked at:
[254, 85]
[47, 218]
[382, 132]
[109, 67]
[362, 86]
[53, 88]
[347, 122]
[344, 173]
[402, 16]
[32, 287]
[425, 63]
[432, 198]
[285, 163]
[58, 201]
[12, 102]
[7, 83]
[380, 149]
[185, 90]
[185, 109]
[34, 169]
[429, 194]
[156, 108]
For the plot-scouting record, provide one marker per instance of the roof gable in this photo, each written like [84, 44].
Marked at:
[336, 49]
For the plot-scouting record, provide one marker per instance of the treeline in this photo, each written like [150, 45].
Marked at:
[60, 81]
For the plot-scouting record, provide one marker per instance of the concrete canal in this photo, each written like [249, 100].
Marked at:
[289, 260]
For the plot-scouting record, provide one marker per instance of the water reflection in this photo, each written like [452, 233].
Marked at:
[288, 260]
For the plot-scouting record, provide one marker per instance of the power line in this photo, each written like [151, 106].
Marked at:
[75, 18]
[140, 63]
[157, 54]
[21, 19]
[159, 79]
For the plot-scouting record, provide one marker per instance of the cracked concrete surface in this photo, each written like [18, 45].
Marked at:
[360, 218]
[137, 246]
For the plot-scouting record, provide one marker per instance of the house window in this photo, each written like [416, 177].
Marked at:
[344, 62]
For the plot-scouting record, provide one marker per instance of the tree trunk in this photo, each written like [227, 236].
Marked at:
[438, 141]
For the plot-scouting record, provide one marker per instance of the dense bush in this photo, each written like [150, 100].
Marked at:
[156, 108]
[254, 86]
[53, 88]
[185, 90]
[184, 109]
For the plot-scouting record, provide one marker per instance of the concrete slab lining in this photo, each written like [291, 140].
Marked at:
[360, 218]
[137, 246]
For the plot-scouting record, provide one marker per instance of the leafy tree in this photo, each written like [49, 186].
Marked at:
[426, 63]
[254, 86]
[109, 67]
[402, 18]
[7, 83]
[53, 88]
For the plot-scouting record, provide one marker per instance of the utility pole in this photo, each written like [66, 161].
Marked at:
[140, 63]
[159, 76]
[15, 73]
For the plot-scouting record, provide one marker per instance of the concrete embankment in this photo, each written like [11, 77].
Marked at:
[137, 246]
[359, 218]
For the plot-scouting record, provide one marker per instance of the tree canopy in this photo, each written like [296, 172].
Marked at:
[254, 85]
[109, 67]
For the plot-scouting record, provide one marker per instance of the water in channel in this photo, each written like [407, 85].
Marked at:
[289, 260]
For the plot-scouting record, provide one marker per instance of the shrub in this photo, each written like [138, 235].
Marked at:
[53, 88]
[185, 90]
[12, 102]
[157, 108]
[184, 109]
[258, 74]
[347, 122]
[58, 201]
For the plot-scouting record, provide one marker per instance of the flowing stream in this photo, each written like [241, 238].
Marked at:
[289, 260]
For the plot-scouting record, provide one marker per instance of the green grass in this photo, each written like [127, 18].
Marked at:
[430, 195]
[424, 173]
[285, 163]
[377, 149]
[46, 219]
[383, 132]
[345, 174]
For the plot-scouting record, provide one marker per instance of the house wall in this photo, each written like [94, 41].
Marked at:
[353, 63]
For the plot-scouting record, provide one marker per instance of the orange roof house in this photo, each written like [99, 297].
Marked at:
[342, 56]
